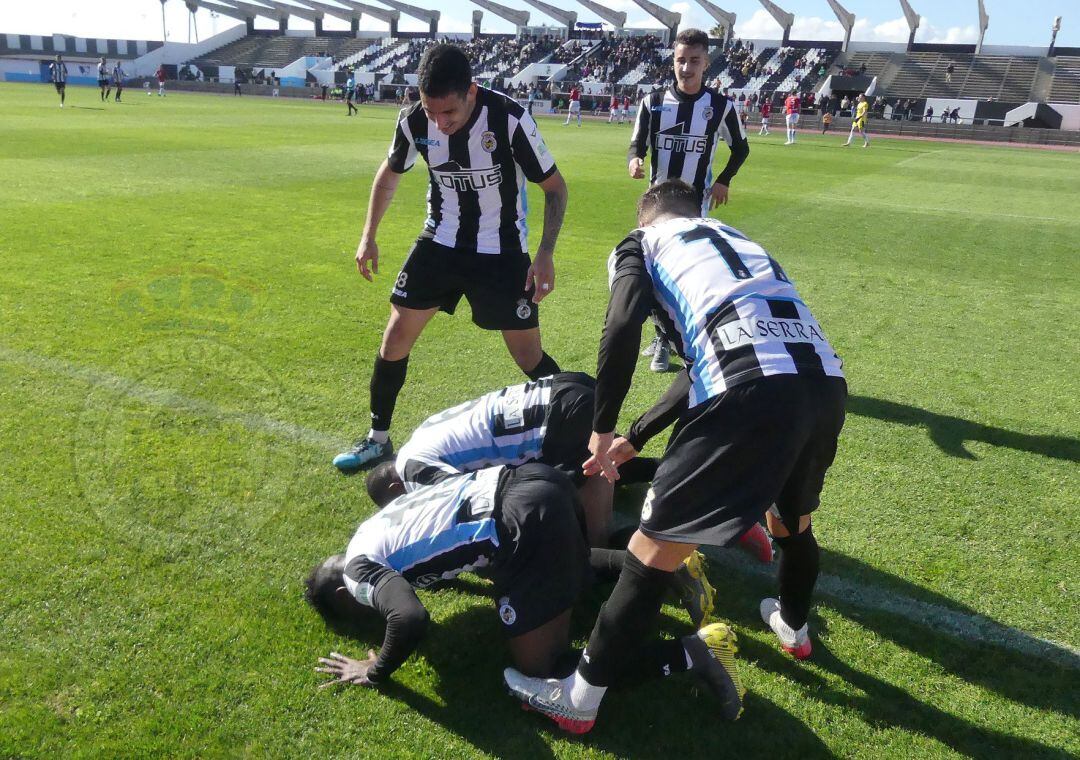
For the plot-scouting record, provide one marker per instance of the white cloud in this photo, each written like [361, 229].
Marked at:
[759, 26]
[954, 35]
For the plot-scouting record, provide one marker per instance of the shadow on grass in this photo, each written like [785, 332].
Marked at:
[951, 433]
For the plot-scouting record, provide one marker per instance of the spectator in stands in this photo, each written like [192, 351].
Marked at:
[862, 69]
[945, 115]
[845, 106]
[929, 115]
[236, 87]
[954, 117]
[949, 72]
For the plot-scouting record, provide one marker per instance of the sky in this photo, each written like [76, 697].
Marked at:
[1012, 22]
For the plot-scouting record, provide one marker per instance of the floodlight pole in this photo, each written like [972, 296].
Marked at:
[164, 36]
[1053, 35]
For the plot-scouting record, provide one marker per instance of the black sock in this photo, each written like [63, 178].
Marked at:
[387, 378]
[657, 659]
[625, 622]
[798, 574]
[606, 563]
[620, 539]
[546, 366]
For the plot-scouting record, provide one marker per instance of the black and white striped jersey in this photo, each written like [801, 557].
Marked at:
[102, 71]
[476, 196]
[725, 303]
[432, 534]
[58, 72]
[680, 132]
[504, 427]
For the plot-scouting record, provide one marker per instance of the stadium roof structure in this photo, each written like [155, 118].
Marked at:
[724, 19]
[912, 21]
[352, 15]
[513, 15]
[616, 18]
[670, 19]
[221, 8]
[783, 18]
[383, 14]
[846, 19]
[984, 21]
[567, 17]
[423, 14]
[295, 10]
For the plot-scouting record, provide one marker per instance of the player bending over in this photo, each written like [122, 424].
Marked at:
[765, 410]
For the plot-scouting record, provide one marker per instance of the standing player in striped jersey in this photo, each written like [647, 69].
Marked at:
[58, 75]
[103, 79]
[118, 80]
[792, 105]
[765, 411]
[480, 147]
[678, 126]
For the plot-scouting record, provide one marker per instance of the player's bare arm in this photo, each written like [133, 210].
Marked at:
[541, 274]
[382, 192]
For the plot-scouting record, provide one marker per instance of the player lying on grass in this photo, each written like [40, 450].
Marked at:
[520, 527]
[547, 420]
[765, 410]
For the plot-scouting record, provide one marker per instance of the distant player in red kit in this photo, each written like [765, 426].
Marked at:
[614, 108]
[766, 111]
[575, 106]
[625, 109]
[791, 115]
[161, 81]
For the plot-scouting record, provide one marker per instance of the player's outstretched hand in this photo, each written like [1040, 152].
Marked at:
[541, 276]
[635, 167]
[367, 258]
[718, 196]
[621, 451]
[600, 461]
[346, 669]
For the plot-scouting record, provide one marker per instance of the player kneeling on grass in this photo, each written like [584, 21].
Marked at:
[518, 526]
[765, 410]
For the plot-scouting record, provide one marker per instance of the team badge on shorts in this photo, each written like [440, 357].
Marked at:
[507, 614]
[487, 142]
[524, 310]
[707, 113]
[646, 508]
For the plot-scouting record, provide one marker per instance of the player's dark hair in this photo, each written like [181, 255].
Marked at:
[672, 196]
[444, 69]
[321, 585]
[693, 38]
[381, 482]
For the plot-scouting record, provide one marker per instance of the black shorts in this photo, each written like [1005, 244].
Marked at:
[435, 276]
[542, 563]
[569, 424]
[762, 443]
[103, 82]
[60, 86]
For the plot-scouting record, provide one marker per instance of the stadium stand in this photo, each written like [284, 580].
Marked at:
[1065, 86]
[923, 75]
[279, 50]
[50, 45]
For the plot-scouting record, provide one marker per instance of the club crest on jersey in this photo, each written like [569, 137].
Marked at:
[451, 176]
[677, 140]
[507, 614]
[524, 310]
[707, 113]
[487, 142]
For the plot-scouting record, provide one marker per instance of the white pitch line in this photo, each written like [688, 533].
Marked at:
[907, 161]
[961, 625]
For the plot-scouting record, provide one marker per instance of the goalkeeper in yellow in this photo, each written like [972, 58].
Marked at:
[862, 108]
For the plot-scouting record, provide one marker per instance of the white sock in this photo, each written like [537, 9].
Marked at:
[583, 695]
[379, 436]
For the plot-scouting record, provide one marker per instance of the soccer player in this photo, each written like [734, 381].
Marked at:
[160, 74]
[118, 80]
[792, 104]
[859, 122]
[517, 526]
[58, 75]
[614, 109]
[480, 147]
[350, 91]
[766, 111]
[678, 126]
[103, 79]
[625, 109]
[575, 106]
[765, 411]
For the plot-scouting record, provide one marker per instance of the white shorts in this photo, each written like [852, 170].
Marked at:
[791, 119]
[626, 112]
[575, 106]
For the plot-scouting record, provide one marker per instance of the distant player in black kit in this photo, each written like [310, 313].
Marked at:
[58, 75]
[480, 147]
[103, 79]
[678, 127]
[766, 406]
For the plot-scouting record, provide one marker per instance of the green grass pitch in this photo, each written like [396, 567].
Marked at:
[185, 343]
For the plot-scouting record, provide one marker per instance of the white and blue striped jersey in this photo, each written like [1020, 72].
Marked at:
[429, 535]
[504, 427]
[730, 309]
